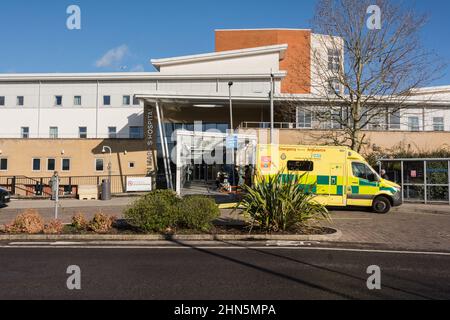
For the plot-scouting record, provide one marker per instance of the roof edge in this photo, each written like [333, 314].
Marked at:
[219, 55]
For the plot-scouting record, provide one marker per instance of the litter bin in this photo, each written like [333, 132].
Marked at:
[106, 190]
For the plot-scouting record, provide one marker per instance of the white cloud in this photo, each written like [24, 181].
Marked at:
[138, 68]
[113, 57]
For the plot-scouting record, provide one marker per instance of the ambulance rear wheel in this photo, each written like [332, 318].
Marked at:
[381, 205]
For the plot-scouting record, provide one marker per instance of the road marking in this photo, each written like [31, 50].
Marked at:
[292, 243]
[225, 248]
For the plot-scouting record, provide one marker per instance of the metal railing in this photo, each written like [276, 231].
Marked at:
[422, 180]
[40, 186]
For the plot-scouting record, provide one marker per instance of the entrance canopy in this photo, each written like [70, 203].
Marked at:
[213, 152]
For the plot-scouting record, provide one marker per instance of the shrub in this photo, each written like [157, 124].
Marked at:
[29, 222]
[279, 203]
[197, 213]
[79, 222]
[154, 212]
[54, 227]
[163, 211]
[101, 223]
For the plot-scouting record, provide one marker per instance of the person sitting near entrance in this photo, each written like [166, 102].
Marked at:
[220, 178]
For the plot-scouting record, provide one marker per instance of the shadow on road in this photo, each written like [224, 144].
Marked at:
[419, 295]
[266, 270]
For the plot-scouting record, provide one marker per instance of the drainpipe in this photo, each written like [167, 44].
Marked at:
[96, 111]
[272, 111]
[39, 111]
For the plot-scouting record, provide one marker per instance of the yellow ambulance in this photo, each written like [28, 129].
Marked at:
[339, 176]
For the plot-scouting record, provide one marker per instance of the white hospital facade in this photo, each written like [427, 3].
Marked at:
[61, 121]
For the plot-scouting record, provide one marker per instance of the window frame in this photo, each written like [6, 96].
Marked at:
[75, 101]
[309, 165]
[56, 100]
[22, 133]
[7, 164]
[80, 133]
[50, 133]
[124, 97]
[141, 132]
[20, 103]
[33, 162]
[302, 117]
[368, 170]
[62, 164]
[410, 127]
[103, 164]
[54, 164]
[110, 133]
[440, 124]
[109, 100]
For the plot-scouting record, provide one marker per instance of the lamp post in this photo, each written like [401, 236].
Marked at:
[233, 175]
[109, 164]
[272, 111]
[105, 148]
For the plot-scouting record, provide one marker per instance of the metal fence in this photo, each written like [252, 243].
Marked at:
[39, 186]
[422, 180]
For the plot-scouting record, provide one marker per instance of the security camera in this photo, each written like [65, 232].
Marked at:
[230, 83]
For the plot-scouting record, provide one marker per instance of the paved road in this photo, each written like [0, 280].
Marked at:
[193, 272]
[409, 227]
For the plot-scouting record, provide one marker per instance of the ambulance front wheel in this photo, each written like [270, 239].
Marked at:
[381, 205]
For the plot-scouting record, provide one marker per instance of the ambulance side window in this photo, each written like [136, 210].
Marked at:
[362, 171]
[306, 166]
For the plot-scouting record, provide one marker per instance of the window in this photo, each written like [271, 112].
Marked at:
[334, 86]
[131, 165]
[53, 133]
[334, 60]
[58, 101]
[362, 171]
[136, 101]
[20, 101]
[336, 118]
[51, 164]
[36, 164]
[99, 165]
[300, 166]
[112, 132]
[136, 133]
[65, 165]
[25, 132]
[438, 124]
[394, 120]
[106, 100]
[2, 100]
[413, 124]
[126, 100]
[304, 119]
[82, 132]
[77, 100]
[3, 164]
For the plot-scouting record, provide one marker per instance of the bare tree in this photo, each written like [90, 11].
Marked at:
[361, 77]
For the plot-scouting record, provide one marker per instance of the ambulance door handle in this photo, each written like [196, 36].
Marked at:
[355, 183]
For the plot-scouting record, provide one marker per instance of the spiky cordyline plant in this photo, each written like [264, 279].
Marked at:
[281, 202]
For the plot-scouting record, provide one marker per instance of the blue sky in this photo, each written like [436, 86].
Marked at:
[34, 36]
